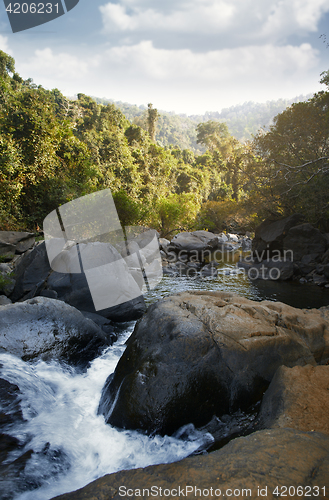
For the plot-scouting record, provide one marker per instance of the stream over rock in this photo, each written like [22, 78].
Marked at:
[43, 328]
[196, 355]
[264, 461]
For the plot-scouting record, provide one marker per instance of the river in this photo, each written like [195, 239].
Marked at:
[71, 445]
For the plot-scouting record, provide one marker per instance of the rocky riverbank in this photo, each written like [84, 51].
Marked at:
[196, 355]
[197, 358]
[262, 465]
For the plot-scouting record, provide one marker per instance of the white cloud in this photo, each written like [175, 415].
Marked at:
[191, 17]
[249, 19]
[293, 16]
[178, 79]
[218, 66]
[57, 66]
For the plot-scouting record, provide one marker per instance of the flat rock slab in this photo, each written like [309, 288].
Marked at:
[43, 328]
[15, 241]
[198, 354]
[297, 397]
[265, 459]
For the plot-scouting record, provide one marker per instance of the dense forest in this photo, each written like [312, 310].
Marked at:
[243, 121]
[54, 149]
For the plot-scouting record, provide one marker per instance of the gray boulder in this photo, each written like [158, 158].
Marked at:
[192, 244]
[199, 354]
[199, 246]
[74, 290]
[4, 301]
[7, 282]
[269, 236]
[12, 242]
[269, 269]
[304, 240]
[256, 466]
[34, 277]
[43, 328]
[31, 272]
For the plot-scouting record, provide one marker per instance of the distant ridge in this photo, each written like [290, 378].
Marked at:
[243, 120]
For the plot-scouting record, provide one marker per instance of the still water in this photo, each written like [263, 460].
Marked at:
[67, 444]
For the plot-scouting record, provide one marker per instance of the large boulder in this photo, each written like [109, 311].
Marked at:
[297, 397]
[7, 283]
[43, 328]
[262, 465]
[31, 272]
[198, 354]
[269, 269]
[198, 245]
[12, 242]
[35, 277]
[269, 236]
[303, 240]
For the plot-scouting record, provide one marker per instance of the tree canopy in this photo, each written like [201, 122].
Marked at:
[54, 149]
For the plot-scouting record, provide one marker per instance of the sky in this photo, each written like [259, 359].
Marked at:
[186, 56]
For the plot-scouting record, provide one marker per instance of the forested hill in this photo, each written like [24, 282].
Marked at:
[54, 150]
[243, 120]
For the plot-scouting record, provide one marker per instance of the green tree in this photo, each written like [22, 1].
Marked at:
[293, 159]
[152, 116]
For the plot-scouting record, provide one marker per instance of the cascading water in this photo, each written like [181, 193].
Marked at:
[71, 444]
[65, 444]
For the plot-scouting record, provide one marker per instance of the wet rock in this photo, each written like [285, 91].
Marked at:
[262, 461]
[51, 294]
[304, 239]
[269, 235]
[104, 323]
[297, 397]
[7, 282]
[74, 290]
[34, 277]
[199, 354]
[319, 279]
[12, 457]
[43, 328]
[31, 272]
[270, 269]
[209, 270]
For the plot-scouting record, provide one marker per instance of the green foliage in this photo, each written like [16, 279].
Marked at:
[53, 150]
[130, 212]
[228, 216]
[174, 213]
[243, 121]
[291, 173]
[152, 116]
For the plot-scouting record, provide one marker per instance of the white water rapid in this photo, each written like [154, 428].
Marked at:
[72, 445]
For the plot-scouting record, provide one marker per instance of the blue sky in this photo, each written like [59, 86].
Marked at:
[187, 56]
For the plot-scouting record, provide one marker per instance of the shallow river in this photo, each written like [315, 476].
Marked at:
[71, 444]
